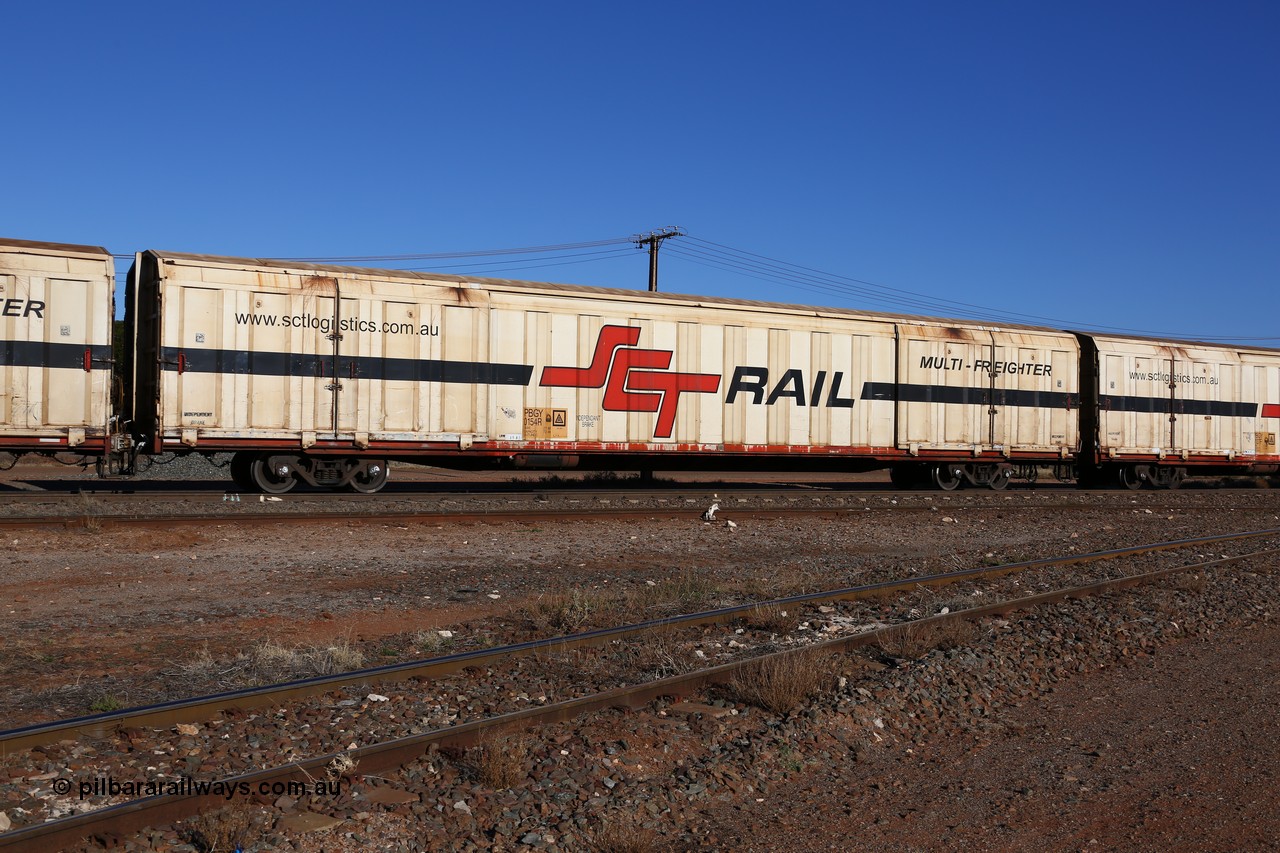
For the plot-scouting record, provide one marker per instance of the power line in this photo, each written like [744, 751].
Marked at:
[740, 262]
[478, 253]
[761, 267]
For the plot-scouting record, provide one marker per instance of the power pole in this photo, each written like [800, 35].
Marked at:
[654, 239]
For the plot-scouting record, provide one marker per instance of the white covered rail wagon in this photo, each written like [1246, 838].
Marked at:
[1166, 408]
[325, 373]
[55, 347]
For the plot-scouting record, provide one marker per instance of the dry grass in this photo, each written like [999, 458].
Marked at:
[774, 618]
[916, 639]
[654, 654]
[687, 593]
[270, 662]
[430, 642]
[92, 510]
[501, 760]
[224, 830]
[625, 837]
[577, 609]
[1190, 581]
[572, 610]
[782, 683]
[574, 665]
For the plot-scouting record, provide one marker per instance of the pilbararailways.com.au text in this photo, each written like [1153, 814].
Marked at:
[104, 786]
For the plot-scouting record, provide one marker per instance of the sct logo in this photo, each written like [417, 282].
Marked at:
[620, 368]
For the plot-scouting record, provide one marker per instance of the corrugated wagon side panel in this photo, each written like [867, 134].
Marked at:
[55, 346]
[1261, 383]
[508, 343]
[244, 357]
[1179, 401]
[1037, 395]
[941, 392]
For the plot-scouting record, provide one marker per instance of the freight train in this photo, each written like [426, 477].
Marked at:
[323, 374]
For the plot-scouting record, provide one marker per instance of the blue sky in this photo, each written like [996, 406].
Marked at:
[1100, 164]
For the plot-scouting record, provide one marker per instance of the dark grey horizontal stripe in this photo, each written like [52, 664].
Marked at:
[347, 367]
[1160, 405]
[1051, 400]
[64, 356]
[974, 396]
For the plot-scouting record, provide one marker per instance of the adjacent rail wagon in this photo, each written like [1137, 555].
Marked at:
[55, 347]
[322, 375]
[1162, 409]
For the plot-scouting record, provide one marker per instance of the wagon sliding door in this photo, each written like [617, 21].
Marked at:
[1033, 392]
[222, 369]
[1134, 398]
[943, 388]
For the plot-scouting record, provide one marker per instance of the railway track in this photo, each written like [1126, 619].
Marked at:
[378, 757]
[169, 508]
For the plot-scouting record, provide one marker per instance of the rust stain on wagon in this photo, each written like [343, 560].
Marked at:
[469, 296]
[319, 284]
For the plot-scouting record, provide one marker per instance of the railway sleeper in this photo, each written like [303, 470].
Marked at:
[277, 473]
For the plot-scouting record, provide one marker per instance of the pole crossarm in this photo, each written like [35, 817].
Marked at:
[653, 240]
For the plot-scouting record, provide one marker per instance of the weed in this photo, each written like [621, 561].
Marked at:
[202, 662]
[684, 594]
[655, 654]
[430, 642]
[92, 510]
[622, 836]
[788, 759]
[1190, 581]
[572, 610]
[774, 618]
[341, 765]
[781, 683]
[916, 639]
[227, 829]
[105, 704]
[501, 761]
[270, 662]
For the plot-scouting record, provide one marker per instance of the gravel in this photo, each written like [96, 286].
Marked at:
[721, 774]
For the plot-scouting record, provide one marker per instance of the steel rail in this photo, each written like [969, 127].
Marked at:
[166, 714]
[534, 512]
[139, 814]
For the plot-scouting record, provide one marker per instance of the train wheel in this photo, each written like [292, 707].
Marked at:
[370, 476]
[1000, 479]
[1168, 478]
[240, 473]
[273, 474]
[1131, 477]
[947, 477]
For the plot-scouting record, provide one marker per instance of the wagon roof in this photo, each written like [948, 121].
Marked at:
[1177, 342]
[10, 245]
[284, 265]
[585, 290]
